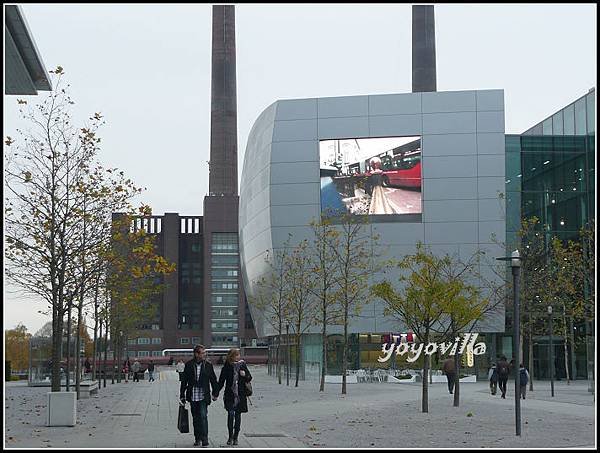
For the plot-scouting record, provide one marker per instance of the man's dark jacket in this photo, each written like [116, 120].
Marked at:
[188, 381]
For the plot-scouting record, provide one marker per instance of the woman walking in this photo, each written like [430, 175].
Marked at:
[234, 377]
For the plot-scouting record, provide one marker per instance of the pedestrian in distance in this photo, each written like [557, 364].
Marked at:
[198, 378]
[493, 377]
[234, 377]
[151, 371]
[136, 370]
[126, 369]
[87, 367]
[503, 369]
[449, 370]
[179, 368]
[523, 380]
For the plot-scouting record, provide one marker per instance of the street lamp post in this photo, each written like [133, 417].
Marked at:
[287, 336]
[551, 352]
[515, 264]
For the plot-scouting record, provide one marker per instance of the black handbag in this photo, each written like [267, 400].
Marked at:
[183, 421]
[248, 389]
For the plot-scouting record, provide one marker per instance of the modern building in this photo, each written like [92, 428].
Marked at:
[204, 300]
[550, 174]
[462, 156]
[25, 73]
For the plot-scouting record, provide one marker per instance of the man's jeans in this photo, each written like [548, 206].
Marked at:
[451, 378]
[150, 376]
[200, 416]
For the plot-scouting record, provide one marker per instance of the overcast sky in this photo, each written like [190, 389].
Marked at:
[146, 68]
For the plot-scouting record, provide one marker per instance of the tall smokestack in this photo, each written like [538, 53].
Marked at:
[423, 49]
[223, 115]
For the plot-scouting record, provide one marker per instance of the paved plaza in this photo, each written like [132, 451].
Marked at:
[144, 415]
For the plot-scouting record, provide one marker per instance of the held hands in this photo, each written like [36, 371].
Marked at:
[182, 401]
[214, 398]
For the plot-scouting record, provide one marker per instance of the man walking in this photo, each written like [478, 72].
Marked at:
[151, 371]
[136, 369]
[503, 369]
[449, 370]
[197, 379]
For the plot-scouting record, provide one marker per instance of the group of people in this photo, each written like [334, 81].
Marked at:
[498, 376]
[199, 385]
[136, 369]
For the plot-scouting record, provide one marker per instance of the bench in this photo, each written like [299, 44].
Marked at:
[86, 388]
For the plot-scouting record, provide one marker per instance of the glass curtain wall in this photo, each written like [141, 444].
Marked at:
[224, 289]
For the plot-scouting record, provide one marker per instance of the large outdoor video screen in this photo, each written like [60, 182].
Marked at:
[371, 176]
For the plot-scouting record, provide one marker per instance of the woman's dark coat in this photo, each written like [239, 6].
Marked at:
[226, 379]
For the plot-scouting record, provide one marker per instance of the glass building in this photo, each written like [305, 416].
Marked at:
[550, 174]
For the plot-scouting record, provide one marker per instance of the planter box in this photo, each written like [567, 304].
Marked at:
[61, 409]
[337, 379]
[401, 381]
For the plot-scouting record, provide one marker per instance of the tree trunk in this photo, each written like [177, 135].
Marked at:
[344, 350]
[105, 350]
[531, 367]
[573, 355]
[69, 341]
[57, 337]
[457, 358]
[279, 355]
[94, 367]
[425, 389]
[323, 357]
[565, 344]
[297, 357]
[78, 348]
[98, 355]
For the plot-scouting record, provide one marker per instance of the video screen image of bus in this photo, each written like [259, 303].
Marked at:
[371, 176]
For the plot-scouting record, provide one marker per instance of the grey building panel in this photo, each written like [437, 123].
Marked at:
[343, 127]
[491, 187]
[281, 234]
[450, 211]
[292, 130]
[492, 209]
[490, 143]
[449, 101]
[490, 100]
[395, 252]
[395, 125]
[491, 252]
[299, 151]
[294, 172]
[395, 104]
[450, 232]
[297, 109]
[490, 122]
[295, 215]
[17, 78]
[398, 233]
[490, 165]
[294, 194]
[343, 106]
[256, 224]
[450, 189]
[258, 245]
[448, 167]
[491, 229]
[449, 145]
[450, 123]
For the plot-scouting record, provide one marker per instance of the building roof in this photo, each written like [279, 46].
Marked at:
[25, 72]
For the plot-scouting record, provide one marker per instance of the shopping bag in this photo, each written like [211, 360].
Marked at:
[183, 421]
